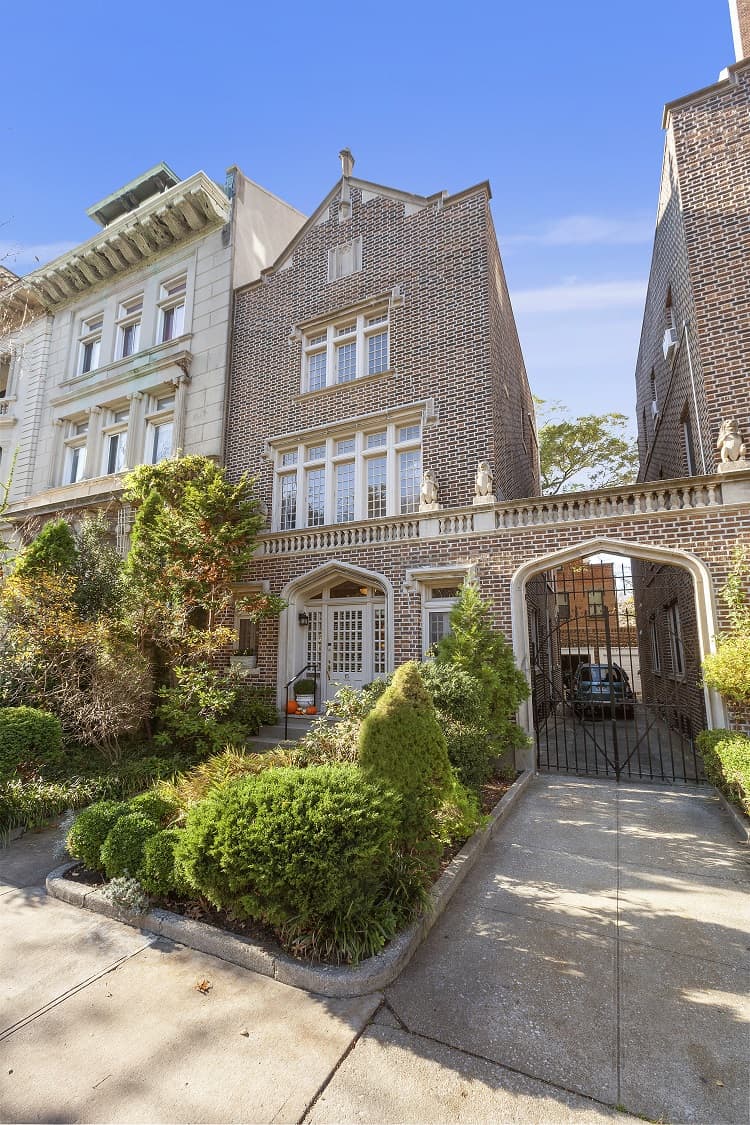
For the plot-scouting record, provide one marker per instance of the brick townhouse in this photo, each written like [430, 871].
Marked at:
[376, 382]
[693, 368]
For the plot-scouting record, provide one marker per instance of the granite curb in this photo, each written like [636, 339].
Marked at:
[369, 976]
[739, 821]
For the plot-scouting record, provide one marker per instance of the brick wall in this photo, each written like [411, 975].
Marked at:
[452, 340]
[701, 250]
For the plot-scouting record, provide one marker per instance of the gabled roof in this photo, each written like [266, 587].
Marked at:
[370, 190]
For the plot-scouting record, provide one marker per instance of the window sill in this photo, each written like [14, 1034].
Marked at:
[154, 358]
[305, 396]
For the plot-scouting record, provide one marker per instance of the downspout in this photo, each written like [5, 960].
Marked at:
[698, 426]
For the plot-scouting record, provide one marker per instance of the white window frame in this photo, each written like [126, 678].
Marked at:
[90, 336]
[159, 415]
[327, 339]
[434, 605]
[172, 296]
[117, 426]
[360, 455]
[130, 315]
[76, 441]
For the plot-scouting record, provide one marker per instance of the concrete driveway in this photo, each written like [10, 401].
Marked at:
[593, 959]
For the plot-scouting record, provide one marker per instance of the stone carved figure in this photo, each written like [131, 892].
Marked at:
[483, 481]
[730, 443]
[428, 495]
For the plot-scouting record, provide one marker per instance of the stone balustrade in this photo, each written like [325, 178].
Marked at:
[655, 498]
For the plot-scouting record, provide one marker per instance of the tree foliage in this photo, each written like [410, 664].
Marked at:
[728, 669]
[193, 536]
[52, 551]
[591, 451]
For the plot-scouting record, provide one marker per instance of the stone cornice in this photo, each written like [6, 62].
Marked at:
[163, 223]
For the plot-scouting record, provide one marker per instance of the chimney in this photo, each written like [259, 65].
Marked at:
[739, 11]
[347, 160]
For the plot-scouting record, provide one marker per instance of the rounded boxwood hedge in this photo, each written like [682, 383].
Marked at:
[91, 828]
[30, 739]
[122, 851]
[159, 873]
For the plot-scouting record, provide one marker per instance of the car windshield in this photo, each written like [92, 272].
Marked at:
[598, 673]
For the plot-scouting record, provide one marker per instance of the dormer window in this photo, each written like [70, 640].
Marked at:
[90, 344]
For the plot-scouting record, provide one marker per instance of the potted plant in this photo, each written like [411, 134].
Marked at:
[304, 693]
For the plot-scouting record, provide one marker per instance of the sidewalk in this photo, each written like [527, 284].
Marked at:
[595, 952]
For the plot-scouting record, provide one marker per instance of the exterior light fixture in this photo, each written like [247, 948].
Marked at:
[304, 619]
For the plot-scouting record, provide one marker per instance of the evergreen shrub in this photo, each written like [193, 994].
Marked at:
[402, 746]
[30, 740]
[155, 804]
[122, 851]
[91, 828]
[159, 874]
[308, 850]
[472, 752]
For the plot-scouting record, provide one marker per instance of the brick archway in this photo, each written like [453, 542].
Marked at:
[702, 590]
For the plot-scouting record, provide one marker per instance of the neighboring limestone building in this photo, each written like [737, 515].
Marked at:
[377, 382]
[115, 354]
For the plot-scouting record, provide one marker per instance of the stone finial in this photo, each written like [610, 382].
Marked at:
[731, 447]
[428, 493]
[347, 162]
[483, 482]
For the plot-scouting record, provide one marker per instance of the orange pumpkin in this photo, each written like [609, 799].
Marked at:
[311, 711]
[292, 707]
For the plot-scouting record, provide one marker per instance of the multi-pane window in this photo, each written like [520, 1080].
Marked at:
[410, 477]
[378, 642]
[438, 603]
[344, 492]
[377, 482]
[596, 603]
[129, 327]
[90, 344]
[172, 306]
[316, 497]
[562, 599]
[288, 501]
[115, 443]
[346, 350]
[367, 474]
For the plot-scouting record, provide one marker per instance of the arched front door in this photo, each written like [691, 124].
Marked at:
[339, 624]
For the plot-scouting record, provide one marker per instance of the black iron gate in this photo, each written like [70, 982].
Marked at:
[615, 676]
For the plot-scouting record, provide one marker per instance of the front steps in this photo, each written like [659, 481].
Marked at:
[270, 737]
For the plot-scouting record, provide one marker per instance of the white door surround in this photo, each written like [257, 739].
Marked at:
[705, 610]
[350, 637]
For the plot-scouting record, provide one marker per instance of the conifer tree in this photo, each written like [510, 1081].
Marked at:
[52, 552]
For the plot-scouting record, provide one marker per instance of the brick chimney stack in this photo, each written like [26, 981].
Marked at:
[739, 11]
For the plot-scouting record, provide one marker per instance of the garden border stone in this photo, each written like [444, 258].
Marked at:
[369, 976]
[739, 821]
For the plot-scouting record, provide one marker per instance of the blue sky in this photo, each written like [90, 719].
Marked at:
[557, 104]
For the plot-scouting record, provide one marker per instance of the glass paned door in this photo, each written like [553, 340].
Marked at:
[346, 648]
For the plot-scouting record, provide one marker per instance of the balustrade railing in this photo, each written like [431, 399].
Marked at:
[536, 511]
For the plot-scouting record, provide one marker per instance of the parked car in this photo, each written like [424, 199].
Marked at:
[595, 686]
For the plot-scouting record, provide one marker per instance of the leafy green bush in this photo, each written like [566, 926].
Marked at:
[472, 752]
[183, 791]
[456, 693]
[90, 830]
[122, 851]
[311, 851]
[30, 740]
[728, 669]
[159, 874]
[54, 549]
[402, 746]
[209, 709]
[726, 757]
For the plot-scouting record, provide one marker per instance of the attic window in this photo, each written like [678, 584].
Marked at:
[345, 260]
